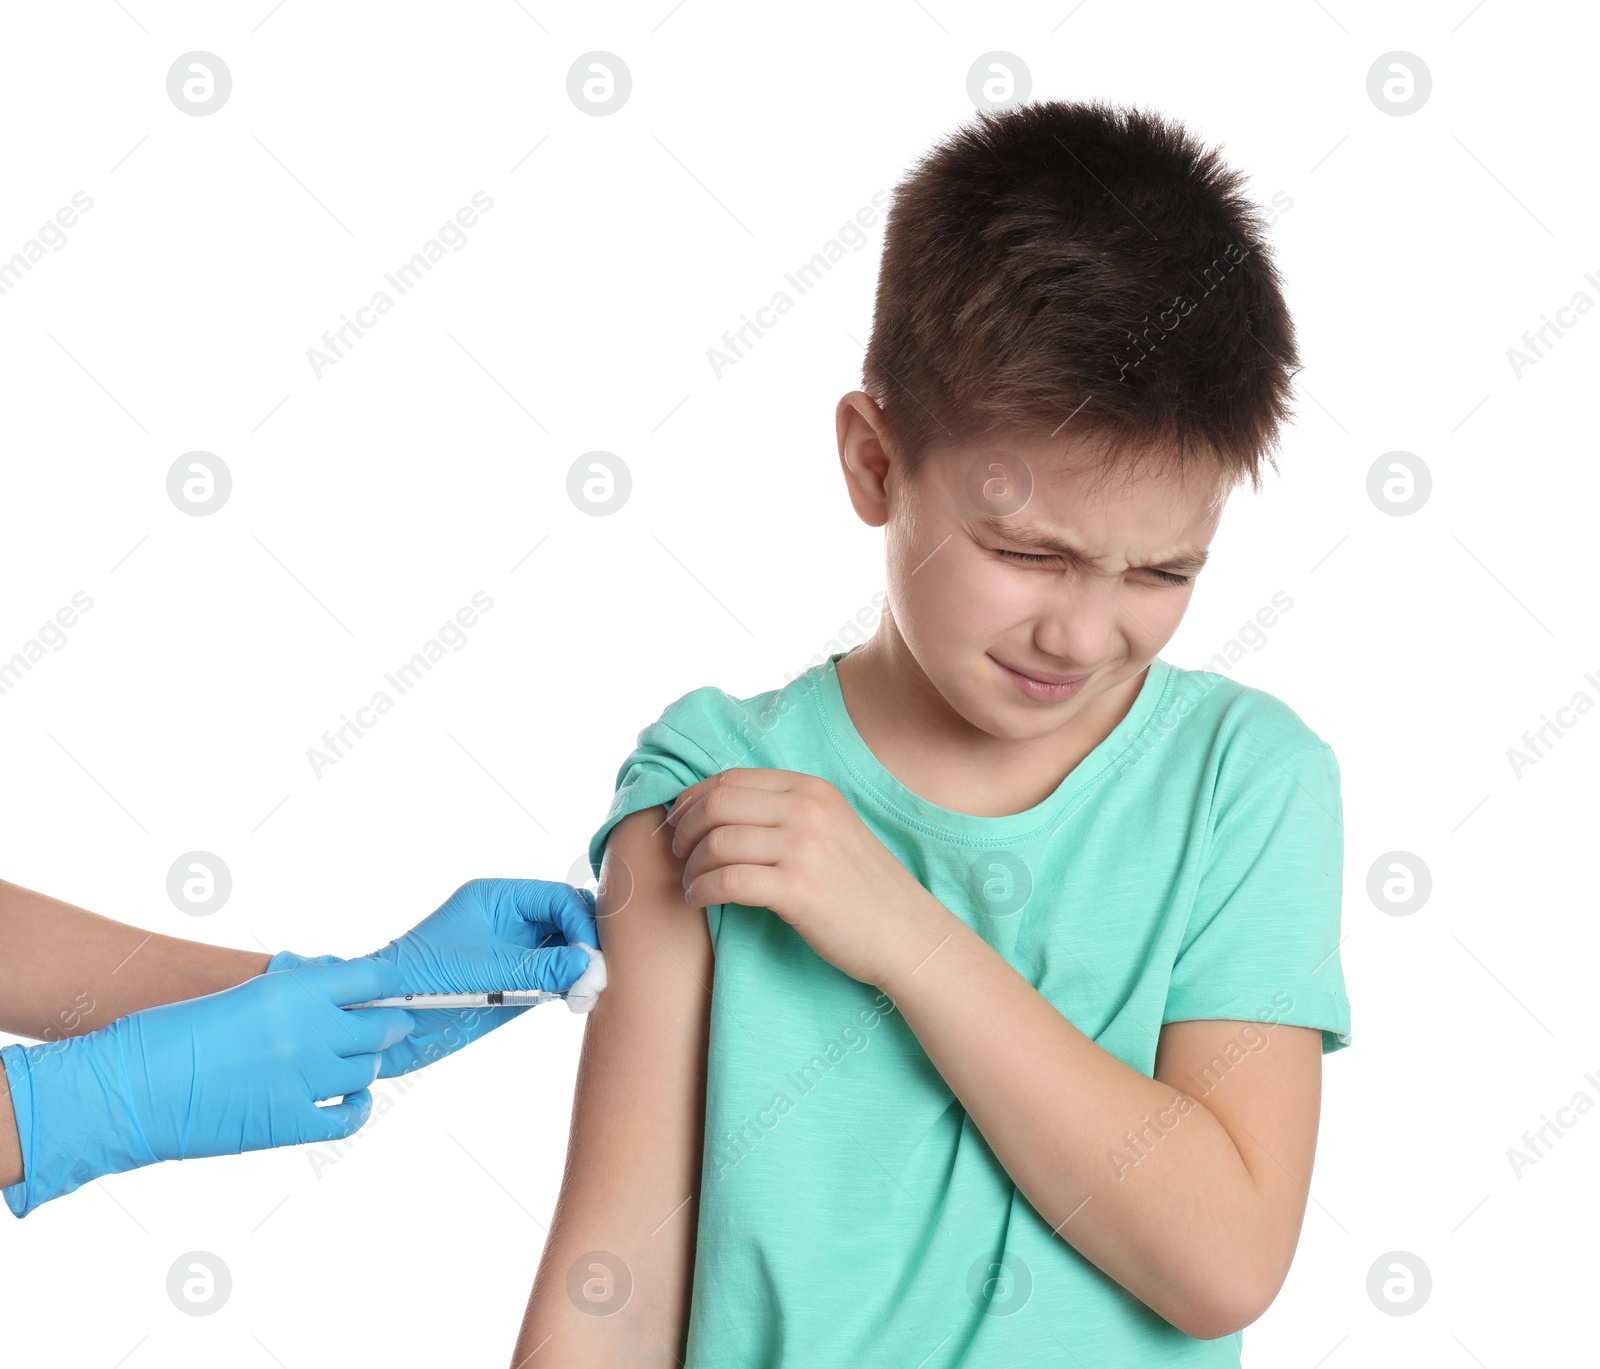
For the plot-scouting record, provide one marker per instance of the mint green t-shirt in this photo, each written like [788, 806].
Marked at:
[849, 1211]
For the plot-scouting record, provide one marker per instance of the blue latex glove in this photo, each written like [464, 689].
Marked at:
[489, 934]
[238, 1070]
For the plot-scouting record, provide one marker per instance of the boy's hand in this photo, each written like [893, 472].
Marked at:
[791, 842]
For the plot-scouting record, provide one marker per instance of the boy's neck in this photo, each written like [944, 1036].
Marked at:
[937, 754]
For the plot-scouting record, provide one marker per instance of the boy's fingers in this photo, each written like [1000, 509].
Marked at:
[739, 807]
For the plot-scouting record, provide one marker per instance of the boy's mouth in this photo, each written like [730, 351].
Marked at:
[1049, 687]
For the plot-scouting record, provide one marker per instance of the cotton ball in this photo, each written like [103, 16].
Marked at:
[586, 988]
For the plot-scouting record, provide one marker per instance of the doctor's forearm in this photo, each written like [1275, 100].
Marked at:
[66, 971]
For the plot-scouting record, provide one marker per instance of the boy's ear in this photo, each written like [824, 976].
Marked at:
[864, 457]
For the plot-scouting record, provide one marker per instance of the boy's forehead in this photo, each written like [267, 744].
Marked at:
[1047, 483]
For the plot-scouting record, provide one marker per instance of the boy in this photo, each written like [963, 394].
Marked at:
[999, 1040]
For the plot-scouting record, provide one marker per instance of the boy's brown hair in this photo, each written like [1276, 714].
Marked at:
[1078, 264]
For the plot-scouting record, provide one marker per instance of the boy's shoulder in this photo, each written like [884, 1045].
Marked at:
[719, 730]
[1229, 713]
[728, 730]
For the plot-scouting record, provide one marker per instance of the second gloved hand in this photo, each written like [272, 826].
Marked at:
[243, 1069]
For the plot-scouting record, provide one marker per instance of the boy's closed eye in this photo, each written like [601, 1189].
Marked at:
[1056, 562]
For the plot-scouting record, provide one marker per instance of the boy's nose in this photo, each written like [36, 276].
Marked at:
[1079, 635]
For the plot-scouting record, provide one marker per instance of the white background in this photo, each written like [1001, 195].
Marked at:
[431, 462]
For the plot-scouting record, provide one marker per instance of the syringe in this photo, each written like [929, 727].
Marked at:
[580, 996]
[496, 998]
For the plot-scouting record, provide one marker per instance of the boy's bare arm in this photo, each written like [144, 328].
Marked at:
[1190, 1197]
[613, 1284]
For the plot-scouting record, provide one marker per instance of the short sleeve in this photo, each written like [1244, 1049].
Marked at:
[1262, 942]
[660, 767]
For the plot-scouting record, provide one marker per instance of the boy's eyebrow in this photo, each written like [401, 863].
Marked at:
[1186, 558]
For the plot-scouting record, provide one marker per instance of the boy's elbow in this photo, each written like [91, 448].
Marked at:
[1213, 1320]
[1227, 1305]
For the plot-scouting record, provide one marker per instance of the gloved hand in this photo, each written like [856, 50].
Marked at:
[238, 1070]
[490, 934]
